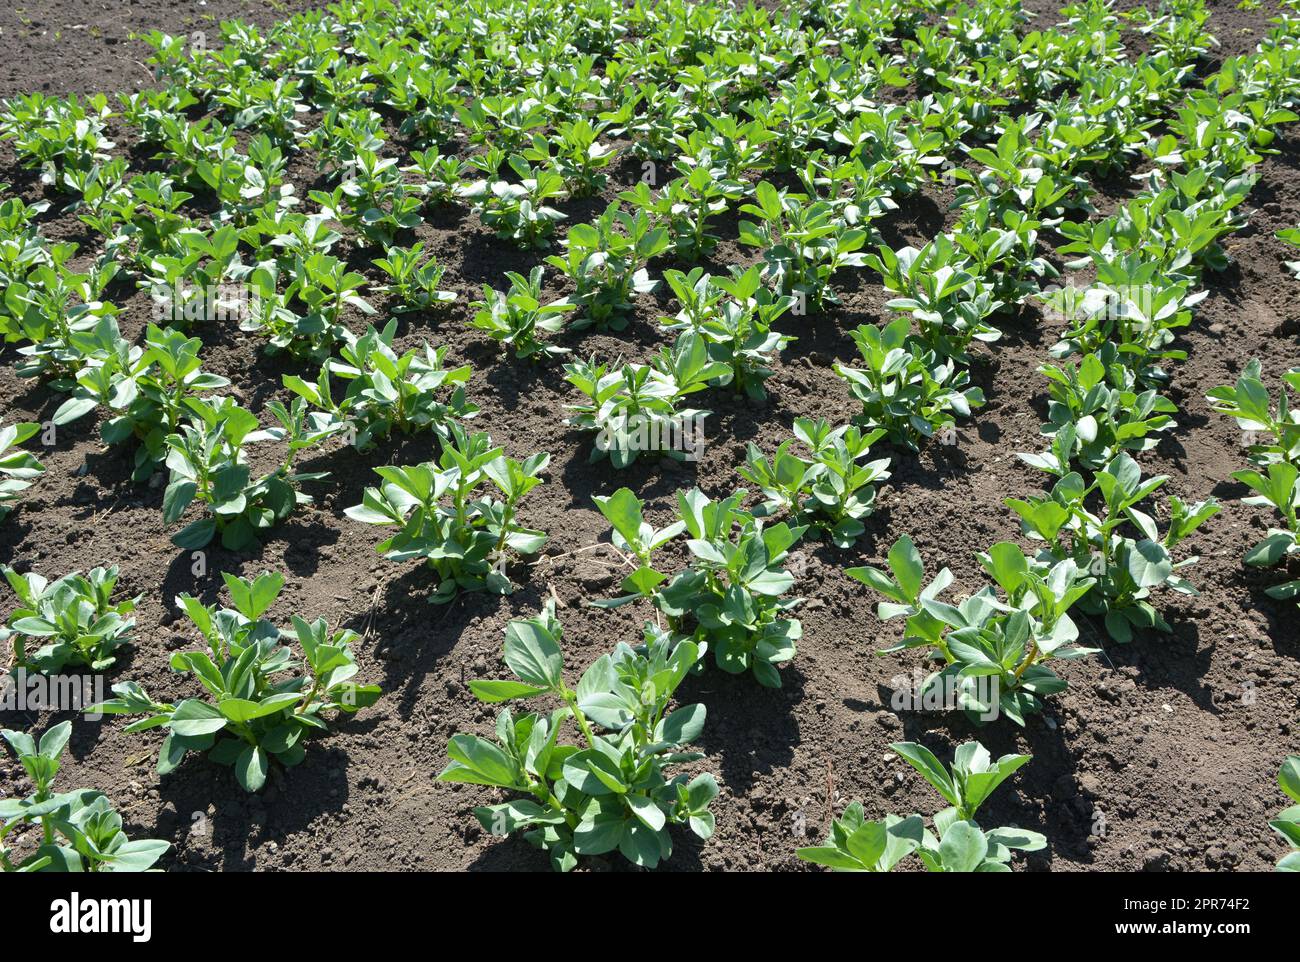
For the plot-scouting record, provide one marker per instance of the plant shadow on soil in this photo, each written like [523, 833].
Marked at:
[292, 802]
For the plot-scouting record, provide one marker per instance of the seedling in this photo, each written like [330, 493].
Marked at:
[830, 489]
[18, 468]
[905, 389]
[606, 260]
[1094, 414]
[1272, 435]
[466, 537]
[1280, 489]
[1287, 822]
[635, 408]
[994, 650]
[386, 392]
[415, 278]
[1127, 569]
[957, 843]
[611, 791]
[803, 245]
[79, 830]
[516, 318]
[731, 597]
[734, 316]
[252, 712]
[208, 465]
[146, 392]
[73, 620]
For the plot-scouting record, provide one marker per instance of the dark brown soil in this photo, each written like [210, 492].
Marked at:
[1161, 755]
[86, 46]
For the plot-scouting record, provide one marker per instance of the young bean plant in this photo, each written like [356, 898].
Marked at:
[516, 318]
[734, 316]
[258, 703]
[729, 599]
[386, 392]
[993, 649]
[803, 244]
[209, 466]
[904, 388]
[635, 408]
[830, 489]
[612, 791]
[72, 621]
[956, 844]
[146, 392]
[1127, 569]
[18, 468]
[79, 831]
[466, 536]
[1271, 432]
[606, 260]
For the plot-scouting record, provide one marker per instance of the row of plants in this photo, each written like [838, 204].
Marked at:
[1099, 543]
[257, 701]
[533, 110]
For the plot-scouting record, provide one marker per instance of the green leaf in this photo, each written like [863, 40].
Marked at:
[905, 562]
[196, 535]
[498, 691]
[650, 814]
[251, 768]
[510, 816]
[1149, 564]
[873, 578]
[593, 773]
[963, 847]
[138, 855]
[1289, 777]
[478, 761]
[243, 710]
[533, 654]
[867, 844]
[830, 857]
[600, 829]
[193, 718]
[253, 598]
[641, 845]
[684, 725]
[622, 510]
[923, 760]
[1008, 565]
[768, 199]
[177, 498]
[35, 627]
